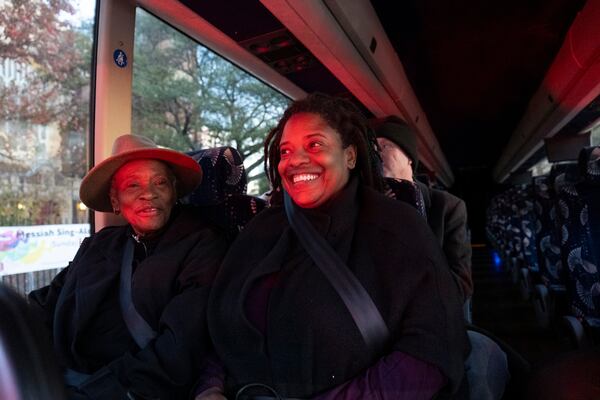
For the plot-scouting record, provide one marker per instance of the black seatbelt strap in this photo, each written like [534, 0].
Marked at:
[366, 316]
[138, 327]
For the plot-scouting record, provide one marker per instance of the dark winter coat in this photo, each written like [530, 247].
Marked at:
[170, 291]
[447, 218]
[310, 342]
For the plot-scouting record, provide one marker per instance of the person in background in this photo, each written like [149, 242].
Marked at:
[278, 325]
[128, 315]
[487, 364]
[446, 214]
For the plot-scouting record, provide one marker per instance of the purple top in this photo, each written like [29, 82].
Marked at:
[397, 375]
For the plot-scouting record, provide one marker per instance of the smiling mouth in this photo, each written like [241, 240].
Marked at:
[148, 211]
[304, 178]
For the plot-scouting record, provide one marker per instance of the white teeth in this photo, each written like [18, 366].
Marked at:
[304, 177]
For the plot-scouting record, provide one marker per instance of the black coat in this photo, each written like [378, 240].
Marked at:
[311, 343]
[447, 218]
[170, 291]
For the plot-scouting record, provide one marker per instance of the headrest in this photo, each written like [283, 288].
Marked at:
[589, 164]
[223, 189]
[224, 175]
[563, 173]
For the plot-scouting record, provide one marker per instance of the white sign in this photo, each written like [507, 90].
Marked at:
[39, 247]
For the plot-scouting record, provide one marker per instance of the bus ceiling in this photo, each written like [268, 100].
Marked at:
[570, 85]
[464, 80]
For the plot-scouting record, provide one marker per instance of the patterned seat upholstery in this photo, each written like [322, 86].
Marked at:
[527, 222]
[499, 234]
[580, 206]
[518, 230]
[223, 175]
[549, 294]
[223, 189]
[551, 271]
[543, 203]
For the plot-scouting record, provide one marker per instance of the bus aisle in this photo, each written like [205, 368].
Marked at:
[499, 308]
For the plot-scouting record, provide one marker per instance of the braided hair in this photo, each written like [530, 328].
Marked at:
[345, 118]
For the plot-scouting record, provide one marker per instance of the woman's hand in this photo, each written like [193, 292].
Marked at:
[213, 393]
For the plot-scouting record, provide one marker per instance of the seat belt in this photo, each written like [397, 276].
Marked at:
[366, 316]
[139, 329]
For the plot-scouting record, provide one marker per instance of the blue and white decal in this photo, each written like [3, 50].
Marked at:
[120, 58]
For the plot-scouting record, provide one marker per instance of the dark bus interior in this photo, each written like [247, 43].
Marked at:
[504, 98]
[473, 67]
[484, 84]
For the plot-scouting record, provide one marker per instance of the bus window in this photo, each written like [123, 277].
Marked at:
[45, 62]
[186, 97]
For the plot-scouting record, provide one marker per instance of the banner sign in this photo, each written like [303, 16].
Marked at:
[39, 247]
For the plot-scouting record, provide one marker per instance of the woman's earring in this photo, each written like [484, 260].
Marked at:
[116, 211]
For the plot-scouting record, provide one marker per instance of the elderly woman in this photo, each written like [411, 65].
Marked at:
[282, 326]
[127, 316]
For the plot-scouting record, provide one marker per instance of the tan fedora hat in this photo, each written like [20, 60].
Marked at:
[95, 186]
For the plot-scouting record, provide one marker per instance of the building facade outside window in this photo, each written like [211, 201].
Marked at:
[45, 57]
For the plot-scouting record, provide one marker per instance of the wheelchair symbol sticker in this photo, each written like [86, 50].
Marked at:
[120, 58]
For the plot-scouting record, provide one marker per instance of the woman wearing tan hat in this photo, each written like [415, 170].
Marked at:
[127, 316]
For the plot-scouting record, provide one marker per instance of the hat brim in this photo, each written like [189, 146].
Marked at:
[95, 186]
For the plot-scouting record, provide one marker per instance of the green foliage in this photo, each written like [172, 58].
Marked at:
[187, 97]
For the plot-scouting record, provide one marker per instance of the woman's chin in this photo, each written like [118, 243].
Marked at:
[148, 228]
[307, 202]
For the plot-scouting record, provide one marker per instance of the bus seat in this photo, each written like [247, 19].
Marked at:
[542, 205]
[550, 293]
[223, 189]
[518, 232]
[496, 226]
[223, 175]
[512, 231]
[527, 221]
[509, 230]
[580, 207]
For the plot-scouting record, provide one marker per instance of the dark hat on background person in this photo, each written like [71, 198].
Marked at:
[95, 186]
[398, 131]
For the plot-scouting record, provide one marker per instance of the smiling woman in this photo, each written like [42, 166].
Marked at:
[278, 321]
[134, 334]
[144, 192]
[314, 164]
[327, 128]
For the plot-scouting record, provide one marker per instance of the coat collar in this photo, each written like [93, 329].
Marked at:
[100, 272]
[335, 221]
[337, 215]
